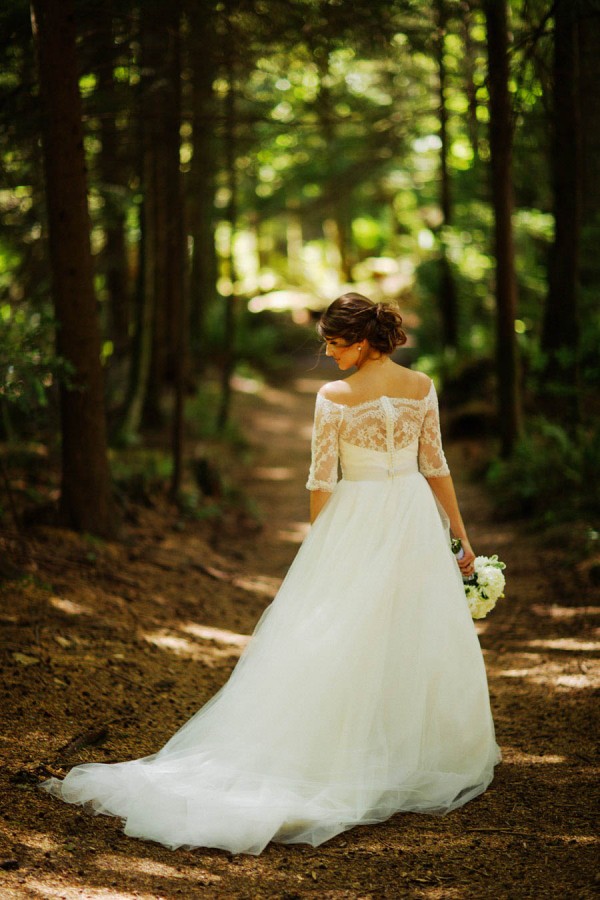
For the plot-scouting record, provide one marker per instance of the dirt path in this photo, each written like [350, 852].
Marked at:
[115, 645]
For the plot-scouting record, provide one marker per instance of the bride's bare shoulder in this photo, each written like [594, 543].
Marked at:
[411, 383]
[336, 391]
[421, 381]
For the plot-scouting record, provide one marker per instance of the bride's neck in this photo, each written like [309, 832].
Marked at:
[373, 364]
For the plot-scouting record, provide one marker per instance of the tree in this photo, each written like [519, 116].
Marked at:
[448, 302]
[507, 367]
[201, 182]
[560, 335]
[86, 497]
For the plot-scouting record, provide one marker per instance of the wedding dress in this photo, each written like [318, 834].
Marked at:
[362, 691]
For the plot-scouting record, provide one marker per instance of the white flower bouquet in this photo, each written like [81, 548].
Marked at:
[486, 585]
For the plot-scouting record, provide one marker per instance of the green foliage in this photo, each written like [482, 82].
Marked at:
[29, 366]
[552, 475]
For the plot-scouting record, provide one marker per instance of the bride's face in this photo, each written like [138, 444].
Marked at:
[345, 355]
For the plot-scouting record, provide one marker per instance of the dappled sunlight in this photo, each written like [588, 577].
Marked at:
[295, 534]
[574, 681]
[39, 841]
[273, 473]
[171, 642]
[564, 612]
[520, 758]
[207, 633]
[571, 644]
[129, 866]
[57, 889]
[563, 673]
[70, 607]
[258, 584]
[139, 866]
[208, 648]
[283, 300]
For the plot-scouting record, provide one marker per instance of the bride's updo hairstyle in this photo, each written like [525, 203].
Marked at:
[353, 318]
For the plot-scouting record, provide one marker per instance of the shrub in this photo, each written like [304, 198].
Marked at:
[552, 476]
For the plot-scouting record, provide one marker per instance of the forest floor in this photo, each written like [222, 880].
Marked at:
[106, 648]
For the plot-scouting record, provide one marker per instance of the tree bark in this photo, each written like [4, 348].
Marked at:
[560, 335]
[469, 75]
[501, 133]
[86, 496]
[113, 259]
[230, 301]
[204, 266]
[146, 296]
[448, 302]
[157, 48]
[177, 308]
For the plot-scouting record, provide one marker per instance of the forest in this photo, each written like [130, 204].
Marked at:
[184, 187]
[243, 164]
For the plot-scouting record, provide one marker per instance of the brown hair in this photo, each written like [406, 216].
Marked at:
[353, 318]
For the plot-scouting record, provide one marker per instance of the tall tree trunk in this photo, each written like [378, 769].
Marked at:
[177, 310]
[86, 496]
[146, 288]
[469, 74]
[113, 259]
[589, 77]
[448, 302]
[204, 267]
[560, 336]
[501, 132]
[230, 301]
[157, 50]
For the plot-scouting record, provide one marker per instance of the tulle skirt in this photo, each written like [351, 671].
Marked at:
[362, 693]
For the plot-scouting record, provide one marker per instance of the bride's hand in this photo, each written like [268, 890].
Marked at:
[466, 564]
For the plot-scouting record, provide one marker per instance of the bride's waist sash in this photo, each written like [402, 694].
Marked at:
[363, 464]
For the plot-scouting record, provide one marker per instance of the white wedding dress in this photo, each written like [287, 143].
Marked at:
[362, 692]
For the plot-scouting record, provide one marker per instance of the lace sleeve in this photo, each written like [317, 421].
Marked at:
[323, 473]
[432, 462]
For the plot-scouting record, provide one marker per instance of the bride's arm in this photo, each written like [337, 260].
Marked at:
[318, 499]
[443, 488]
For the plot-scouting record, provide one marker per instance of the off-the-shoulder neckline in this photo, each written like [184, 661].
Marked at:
[379, 399]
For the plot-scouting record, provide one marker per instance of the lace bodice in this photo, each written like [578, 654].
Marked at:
[386, 424]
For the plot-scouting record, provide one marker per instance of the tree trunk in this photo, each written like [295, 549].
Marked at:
[146, 288]
[448, 303]
[204, 268]
[175, 249]
[560, 335]
[589, 95]
[86, 496]
[507, 366]
[113, 259]
[157, 49]
[469, 75]
[231, 300]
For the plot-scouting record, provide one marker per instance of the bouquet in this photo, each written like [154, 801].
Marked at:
[485, 586]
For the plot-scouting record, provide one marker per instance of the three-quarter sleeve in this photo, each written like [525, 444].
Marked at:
[323, 474]
[432, 462]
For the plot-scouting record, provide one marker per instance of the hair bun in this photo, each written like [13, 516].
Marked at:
[354, 317]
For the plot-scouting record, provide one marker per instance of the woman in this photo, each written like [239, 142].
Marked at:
[362, 692]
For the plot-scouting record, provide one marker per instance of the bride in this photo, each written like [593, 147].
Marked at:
[363, 691]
